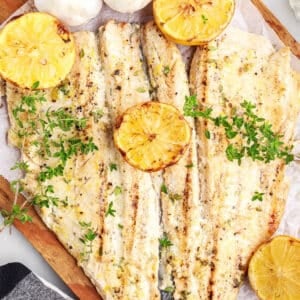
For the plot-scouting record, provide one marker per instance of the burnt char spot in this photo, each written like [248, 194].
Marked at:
[63, 32]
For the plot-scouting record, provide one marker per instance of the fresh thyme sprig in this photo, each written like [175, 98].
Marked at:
[16, 213]
[87, 239]
[30, 123]
[259, 141]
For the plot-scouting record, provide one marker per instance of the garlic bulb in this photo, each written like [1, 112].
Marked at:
[127, 6]
[71, 12]
[295, 5]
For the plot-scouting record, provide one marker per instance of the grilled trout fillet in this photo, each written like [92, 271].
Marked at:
[235, 67]
[135, 245]
[81, 183]
[181, 218]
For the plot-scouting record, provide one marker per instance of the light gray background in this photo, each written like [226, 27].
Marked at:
[13, 247]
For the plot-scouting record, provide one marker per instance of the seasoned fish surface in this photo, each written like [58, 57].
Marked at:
[79, 187]
[181, 209]
[138, 207]
[240, 66]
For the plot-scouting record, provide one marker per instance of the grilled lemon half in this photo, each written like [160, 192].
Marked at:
[193, 22]
[274, 269]
[152, 136]
[36, 47]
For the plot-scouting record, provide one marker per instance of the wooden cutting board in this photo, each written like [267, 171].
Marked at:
[38, 234]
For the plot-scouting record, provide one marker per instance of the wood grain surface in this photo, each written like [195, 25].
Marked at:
[7, 7]
[280, 30]
[46, 243]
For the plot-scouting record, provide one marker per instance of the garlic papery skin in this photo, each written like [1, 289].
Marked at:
[127, 6]
[71, 12]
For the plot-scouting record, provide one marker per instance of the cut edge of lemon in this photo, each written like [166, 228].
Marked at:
[271, 269]
[152, 136]
[36, 47]
[184, 23]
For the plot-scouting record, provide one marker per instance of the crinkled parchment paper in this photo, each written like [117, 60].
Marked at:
[248, 18]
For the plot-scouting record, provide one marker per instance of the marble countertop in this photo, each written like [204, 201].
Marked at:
[13, 247]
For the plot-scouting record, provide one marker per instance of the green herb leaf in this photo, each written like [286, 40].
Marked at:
[141, 90]
[189, 166]
[117, 191]
[164, 242]
[164, 189]
[175, 197]
[204, 19]
[110, 211]
[257, 196]
[113, 167]
[166, 70]
[35, 85]
[23, 166]
[207, 134]
[81, 53]
[169, 289]
[17, 213]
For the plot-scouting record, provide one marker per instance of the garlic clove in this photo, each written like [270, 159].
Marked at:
[127, 6]
[71, 12]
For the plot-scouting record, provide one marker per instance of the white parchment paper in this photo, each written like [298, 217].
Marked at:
[248, 18]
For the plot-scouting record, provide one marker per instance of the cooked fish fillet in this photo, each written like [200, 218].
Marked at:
[182, 218]
[137, 209]
[81, 184]
[240, 66]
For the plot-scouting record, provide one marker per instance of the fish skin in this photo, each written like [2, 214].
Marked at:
[182, 219]
[239, 68]
[127, 85]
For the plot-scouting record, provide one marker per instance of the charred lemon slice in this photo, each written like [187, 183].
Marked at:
[152, 136]
[36, 47]
[274, 270]
[193, 22]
